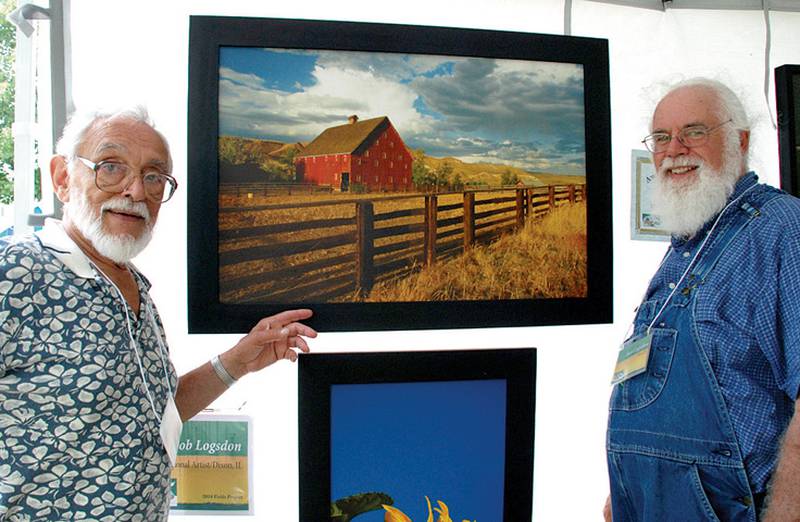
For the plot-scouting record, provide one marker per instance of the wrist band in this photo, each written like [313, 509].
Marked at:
[221, 372]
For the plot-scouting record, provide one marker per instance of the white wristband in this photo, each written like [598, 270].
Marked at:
[221, 372]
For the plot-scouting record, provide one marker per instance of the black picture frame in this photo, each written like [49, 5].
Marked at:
[787, 101]
[208, 34]
[320, 373]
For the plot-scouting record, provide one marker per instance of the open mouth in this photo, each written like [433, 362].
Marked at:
[680, 171]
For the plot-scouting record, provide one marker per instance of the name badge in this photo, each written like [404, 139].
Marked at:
[632, 359]
[171, 427]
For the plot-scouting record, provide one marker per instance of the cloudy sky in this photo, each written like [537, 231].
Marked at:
[526, 114]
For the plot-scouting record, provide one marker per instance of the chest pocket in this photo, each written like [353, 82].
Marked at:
[641, 390]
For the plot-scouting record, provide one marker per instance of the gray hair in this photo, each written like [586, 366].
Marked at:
[81, 121]
[730, 106]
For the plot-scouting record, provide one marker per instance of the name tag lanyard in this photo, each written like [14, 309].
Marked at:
[134, 345]
[634, 353]
[694, 259]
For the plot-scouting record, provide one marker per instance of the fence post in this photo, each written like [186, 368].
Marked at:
[572, 194]
[431, 203]
[552, 197]
[365, 267]
[529, 202]
[469, 220]
[520, 194]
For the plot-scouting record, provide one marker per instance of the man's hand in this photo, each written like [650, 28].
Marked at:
[272, 339]
[783, 502]
[607, 509]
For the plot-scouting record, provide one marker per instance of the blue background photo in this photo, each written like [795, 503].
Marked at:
[443, 439]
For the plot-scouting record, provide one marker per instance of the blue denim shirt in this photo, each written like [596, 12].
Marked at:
[747, 321]
[79, 437]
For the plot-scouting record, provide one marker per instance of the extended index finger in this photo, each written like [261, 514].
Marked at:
[281, 319]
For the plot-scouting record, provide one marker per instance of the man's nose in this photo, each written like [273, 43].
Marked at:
[135, 188]
[675, 147]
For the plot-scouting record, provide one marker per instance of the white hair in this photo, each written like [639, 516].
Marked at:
[729, 106]
[118, 248]
[81, 121]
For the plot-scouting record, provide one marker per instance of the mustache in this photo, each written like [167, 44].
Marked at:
[681, 161]
[136, 208]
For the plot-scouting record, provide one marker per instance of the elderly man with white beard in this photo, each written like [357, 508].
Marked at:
[703, 421]
[91, 408]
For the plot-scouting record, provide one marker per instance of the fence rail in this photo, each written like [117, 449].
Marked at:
[324, 259]
[271, 189]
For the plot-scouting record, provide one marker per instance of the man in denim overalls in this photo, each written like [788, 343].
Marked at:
[702, 422]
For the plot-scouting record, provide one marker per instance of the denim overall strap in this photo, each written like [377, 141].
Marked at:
[745, 211]
[672, 451]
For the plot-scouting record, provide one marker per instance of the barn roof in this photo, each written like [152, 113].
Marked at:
[350, 138]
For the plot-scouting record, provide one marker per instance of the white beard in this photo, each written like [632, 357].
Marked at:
[118, 248]
[685, 207]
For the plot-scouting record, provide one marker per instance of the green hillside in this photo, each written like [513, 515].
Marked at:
[492, 173]
[276, 160]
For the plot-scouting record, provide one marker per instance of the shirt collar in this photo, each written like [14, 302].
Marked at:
[55, 238]
[743, 184]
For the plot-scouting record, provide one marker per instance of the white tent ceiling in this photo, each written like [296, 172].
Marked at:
[662, 5]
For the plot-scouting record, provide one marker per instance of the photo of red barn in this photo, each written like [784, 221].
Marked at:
[369, 154]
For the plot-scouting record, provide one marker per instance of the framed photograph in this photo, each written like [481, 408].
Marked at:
[787, 100]
[417, 434]
[396, 177]
[645, 224]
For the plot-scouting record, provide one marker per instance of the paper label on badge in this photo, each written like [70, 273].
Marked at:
[632, 359]
[171, 427]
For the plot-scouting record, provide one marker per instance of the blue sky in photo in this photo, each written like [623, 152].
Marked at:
[520, 113]
[442, 439]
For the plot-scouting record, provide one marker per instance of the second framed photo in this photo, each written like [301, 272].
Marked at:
[645, 223]
[787, 101]
[396, 177]
[409, 435]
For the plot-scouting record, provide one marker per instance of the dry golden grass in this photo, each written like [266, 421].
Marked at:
[545, 260]
[345, 208]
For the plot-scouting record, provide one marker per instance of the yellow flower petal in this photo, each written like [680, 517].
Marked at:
[430, 513]
[394, 515]
[444, 513]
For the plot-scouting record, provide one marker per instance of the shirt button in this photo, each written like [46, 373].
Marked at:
[671, 286]
[687, 254]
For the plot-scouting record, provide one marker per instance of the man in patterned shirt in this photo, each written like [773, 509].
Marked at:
[90, 405]
[703, 413]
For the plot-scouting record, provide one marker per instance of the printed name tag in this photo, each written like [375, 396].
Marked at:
[171, 426]
[632, 359]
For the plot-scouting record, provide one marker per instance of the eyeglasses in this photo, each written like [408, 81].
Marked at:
[692, 136]
[115, 176]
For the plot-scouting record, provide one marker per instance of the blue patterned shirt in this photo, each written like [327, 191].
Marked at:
[79, 437]
[747, 321]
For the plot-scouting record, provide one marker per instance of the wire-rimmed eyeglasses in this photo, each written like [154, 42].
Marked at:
[691, 136]
[115, 176]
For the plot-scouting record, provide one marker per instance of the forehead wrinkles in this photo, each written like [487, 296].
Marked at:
[127, 138]
[685, 107]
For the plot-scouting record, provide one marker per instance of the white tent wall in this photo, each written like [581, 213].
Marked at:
[138, 51]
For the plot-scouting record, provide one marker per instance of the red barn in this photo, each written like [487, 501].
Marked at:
[368, 153]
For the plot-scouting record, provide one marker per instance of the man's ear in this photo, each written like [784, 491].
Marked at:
[59, 174]
[744, 141]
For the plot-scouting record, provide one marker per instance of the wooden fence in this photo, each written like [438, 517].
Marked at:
[319, 260]
[271, 189]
